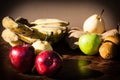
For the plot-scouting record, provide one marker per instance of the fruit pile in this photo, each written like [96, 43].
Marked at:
[94, 39]
[31, 43]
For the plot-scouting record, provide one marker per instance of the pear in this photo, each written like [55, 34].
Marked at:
[40, 45]
[94, 24]
[108, 50]
[109, 47]
[113, 39]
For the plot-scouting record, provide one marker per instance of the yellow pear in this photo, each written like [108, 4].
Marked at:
[108, 50]
[41, 46]
[113, 39]
[94, 24]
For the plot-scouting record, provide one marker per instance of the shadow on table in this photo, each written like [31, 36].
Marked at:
[76, 70]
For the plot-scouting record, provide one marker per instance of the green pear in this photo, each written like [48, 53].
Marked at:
[94, 24]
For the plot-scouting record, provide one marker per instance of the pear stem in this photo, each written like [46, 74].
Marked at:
[101, 12]
[99, 16]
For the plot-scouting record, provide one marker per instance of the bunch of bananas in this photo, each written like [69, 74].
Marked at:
[20, 31]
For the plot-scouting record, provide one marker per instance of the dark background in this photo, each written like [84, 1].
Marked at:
[74, 11]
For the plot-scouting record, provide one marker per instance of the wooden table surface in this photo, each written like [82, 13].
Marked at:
[76, 66]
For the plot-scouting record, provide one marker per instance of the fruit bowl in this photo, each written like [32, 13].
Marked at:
[76, 66]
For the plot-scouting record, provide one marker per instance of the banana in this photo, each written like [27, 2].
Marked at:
[50, 33]
[51, 30]
[72, 37]
[18, 27]
[24, 21]
[9, 23]
[15, 27]
[11, 37]
[28, 39]
[50, 22]
[112, 32]
[15, 43]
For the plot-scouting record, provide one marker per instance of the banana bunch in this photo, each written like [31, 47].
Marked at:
[20, 31]
[51, 30]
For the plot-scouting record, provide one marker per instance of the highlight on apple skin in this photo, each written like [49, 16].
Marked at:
[48, 62]
[22, 58]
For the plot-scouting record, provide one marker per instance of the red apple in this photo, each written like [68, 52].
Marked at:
[22, 57]
[48, 62]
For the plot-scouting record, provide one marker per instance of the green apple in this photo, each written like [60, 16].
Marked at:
[89, 43]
